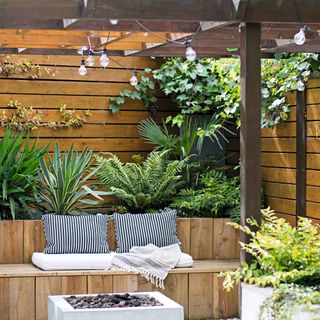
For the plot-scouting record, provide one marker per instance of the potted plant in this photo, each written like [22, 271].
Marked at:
[282, 281]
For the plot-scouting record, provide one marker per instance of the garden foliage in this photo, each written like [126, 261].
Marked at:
[64, 184]
[19, 162]
[141, 187]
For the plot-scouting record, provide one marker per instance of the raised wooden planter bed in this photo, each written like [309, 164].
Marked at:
[202, 238]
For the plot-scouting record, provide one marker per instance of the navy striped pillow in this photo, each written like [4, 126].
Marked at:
[76, 234]
[159, 229]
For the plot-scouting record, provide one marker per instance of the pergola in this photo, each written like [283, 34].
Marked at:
[252, 28]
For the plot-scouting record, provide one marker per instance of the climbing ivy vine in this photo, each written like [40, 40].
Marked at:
[213, 86]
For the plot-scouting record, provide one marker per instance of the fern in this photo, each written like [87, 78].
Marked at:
[141, 187]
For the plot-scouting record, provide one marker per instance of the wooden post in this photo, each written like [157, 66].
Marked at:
[250, 132]
[301, 150]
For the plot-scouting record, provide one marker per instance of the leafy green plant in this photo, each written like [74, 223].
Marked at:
[189, 143]
[140, 187]
[281, 253]
[19, 164]
[213, 85]
[285, 301]
[144, 90]
[63, 186]
[216, 196]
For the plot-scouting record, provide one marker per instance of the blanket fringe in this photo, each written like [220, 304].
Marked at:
[157, 281]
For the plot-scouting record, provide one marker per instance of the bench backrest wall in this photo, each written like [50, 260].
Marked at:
[203, 238]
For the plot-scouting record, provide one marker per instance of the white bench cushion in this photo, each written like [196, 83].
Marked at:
[86, 261]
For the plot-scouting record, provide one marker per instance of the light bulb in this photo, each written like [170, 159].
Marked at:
[134, 79]
[1, 70]
[265, 93]
[300, 85]
[104, 60]
[300, 37]
[82, 70]
[90, 60]
[114, 21]
[191, 55]
[200, 68]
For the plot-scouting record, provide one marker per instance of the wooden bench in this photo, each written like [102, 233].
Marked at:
[24, 288]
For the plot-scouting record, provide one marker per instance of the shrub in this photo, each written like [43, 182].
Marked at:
[144, 186]
[216, 196]
[19, 164]
[63, 182]
[280, 253]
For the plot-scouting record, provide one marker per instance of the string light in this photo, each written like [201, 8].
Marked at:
[104, 60]
[300, 37]
[191, 55]
[134, 78]
[300, 85]
[90, 59]
[82, 69]
[114, 21]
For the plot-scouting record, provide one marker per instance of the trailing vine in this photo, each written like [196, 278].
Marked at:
[286, 300]
[10, 68]
[213, 85]
[26, 118]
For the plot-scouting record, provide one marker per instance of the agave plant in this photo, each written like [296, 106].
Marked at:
[63, 182]
[141, 187]
[19, 164]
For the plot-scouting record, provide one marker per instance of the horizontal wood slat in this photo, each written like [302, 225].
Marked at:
[62, 84]
[198, 289]
[27, 237]
[68, 60]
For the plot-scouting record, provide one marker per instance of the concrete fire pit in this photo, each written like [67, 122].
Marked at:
[60, 309]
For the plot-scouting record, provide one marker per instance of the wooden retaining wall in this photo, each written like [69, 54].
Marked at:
[63, 85]
[202, 238]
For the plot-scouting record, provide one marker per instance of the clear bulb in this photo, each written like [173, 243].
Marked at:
[114, 21]
[134, 80]
[90, 60]
[200, 68]
[300, 37]
[104, 60]
[190, 54]
[265, 93]
[300, 85]
[82, 70]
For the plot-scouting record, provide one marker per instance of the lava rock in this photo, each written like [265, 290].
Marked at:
[112, 301]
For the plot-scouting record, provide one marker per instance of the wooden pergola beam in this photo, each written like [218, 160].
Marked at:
[101, 25]
[191, 10]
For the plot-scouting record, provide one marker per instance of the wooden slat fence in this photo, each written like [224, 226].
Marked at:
[63, 85]
[279, 158]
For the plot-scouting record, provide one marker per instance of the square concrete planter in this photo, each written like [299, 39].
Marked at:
[60, 309]
[253, 297]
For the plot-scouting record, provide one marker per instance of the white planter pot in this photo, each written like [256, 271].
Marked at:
[60, 309]
[253, 296]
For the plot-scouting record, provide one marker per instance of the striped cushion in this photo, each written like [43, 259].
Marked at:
[76, 234]
[141, 229]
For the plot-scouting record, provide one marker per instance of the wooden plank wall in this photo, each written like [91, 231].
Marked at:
[63, 85]
[279, 158]
[202, 238]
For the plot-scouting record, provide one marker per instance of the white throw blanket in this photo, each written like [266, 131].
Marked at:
[150, 261]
